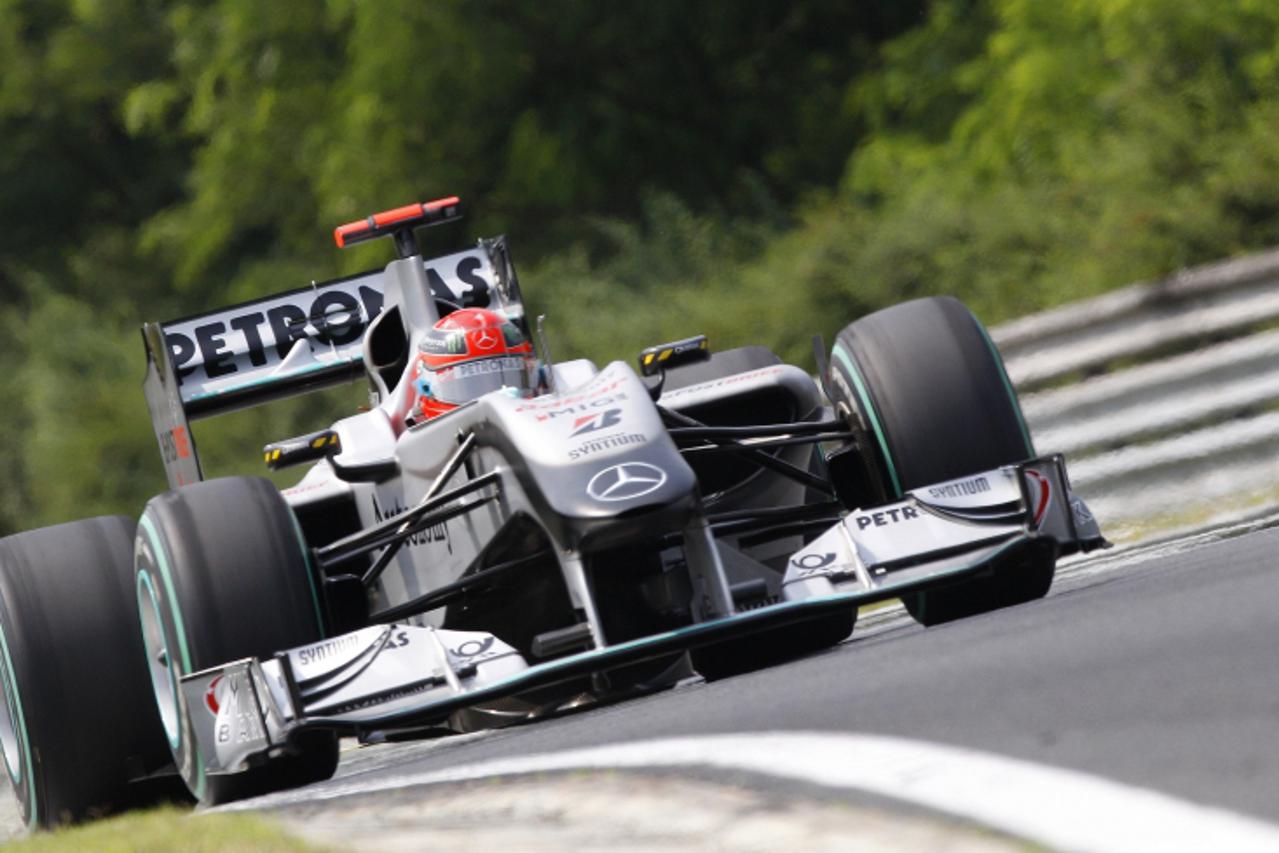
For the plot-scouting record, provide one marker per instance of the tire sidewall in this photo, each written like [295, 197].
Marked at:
[224, 571]
[23, 784]
[156, 590]
[896, 457]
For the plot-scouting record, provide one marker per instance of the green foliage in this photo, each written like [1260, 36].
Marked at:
[759, 172]
[170, 829]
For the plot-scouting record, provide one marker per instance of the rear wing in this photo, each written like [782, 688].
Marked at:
[291, 343]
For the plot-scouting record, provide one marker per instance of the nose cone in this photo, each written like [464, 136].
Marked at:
[596, 458]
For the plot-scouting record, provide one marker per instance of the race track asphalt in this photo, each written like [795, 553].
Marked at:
[1158, 669]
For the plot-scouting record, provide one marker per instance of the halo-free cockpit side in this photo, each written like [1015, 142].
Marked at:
[599, 532]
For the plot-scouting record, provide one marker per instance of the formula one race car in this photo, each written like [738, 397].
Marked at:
[499, 536]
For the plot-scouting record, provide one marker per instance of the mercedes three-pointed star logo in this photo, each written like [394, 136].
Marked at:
[626, 481]
[485, 339]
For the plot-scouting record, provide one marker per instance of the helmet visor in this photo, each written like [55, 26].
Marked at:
[461, 383]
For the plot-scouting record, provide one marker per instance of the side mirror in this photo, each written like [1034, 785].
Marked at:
[303, 448]
[662, 357]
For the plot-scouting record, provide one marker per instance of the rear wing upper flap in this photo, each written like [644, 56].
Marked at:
[291, 343]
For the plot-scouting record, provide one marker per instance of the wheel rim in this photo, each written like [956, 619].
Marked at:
[164, 682]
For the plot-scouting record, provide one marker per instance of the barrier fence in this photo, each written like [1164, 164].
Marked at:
[1164, 396]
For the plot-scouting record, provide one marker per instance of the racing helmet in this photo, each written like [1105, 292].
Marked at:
[464, 356]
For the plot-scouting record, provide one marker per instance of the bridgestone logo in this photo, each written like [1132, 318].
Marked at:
[960, 489]
[606, 443]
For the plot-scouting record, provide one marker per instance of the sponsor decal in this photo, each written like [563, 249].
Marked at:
[596, 421]
[211, 696]
[346, 643]
[813, 561]
[1040, 495]
[883, 518]
[1083, 515]
[262, 333]
[608, 442]
[482, 367]
[327, 649]
[175, 444]
[239, 720]
[435, 533]
[333, 318]
[451, 344]
[626, 482]
[564, 410]
[398, 640]
[592, 398]
[485, 339]
[961, 488]
[473, 648]
[727, 380]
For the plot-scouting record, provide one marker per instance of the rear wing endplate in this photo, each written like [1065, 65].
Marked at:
[291, 343]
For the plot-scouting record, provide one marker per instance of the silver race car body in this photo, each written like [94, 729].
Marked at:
[499, 561]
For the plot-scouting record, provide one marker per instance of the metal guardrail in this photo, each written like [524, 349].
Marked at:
[1163, 395]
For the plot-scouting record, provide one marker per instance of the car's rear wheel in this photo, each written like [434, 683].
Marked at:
[76, 742]
[926, 390]
[222, 573]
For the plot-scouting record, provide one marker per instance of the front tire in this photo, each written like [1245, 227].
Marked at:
[222, 573]
[74, 726]
[925, 389]
[773, 646]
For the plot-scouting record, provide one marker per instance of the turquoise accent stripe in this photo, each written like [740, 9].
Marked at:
[275, 378]
[166, 575]
[310, 572]
[144, 580]
[162, 562]
[22, 731]
[1008, 388]
[855, 374]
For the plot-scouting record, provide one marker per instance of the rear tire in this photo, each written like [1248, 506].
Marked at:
[223, 574]
[73, 724]
[925, 388]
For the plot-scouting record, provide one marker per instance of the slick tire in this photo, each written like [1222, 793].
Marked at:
[75, 728]
[926, 391]
[222, 573]
[773, 646]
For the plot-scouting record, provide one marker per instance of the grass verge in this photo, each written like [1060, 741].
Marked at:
[170, 829]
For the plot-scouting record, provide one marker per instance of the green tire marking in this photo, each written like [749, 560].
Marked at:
[855, 374]
[1008, 389]
[310, 572]
[144, 580]
[22, 731]
[162, 561]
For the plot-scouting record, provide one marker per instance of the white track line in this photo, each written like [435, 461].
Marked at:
[1063, 809]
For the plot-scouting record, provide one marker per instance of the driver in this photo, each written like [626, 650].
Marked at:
[465, 355]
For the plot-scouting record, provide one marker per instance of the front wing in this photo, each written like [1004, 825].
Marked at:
[406, 676]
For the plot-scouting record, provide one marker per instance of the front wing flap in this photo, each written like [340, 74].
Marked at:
[388, 676]
[945, 529]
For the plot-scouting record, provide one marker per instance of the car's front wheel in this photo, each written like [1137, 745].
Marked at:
[925, 388]
[222, 573]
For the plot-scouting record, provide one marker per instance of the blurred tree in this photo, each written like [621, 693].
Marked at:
[756, 170]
